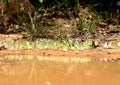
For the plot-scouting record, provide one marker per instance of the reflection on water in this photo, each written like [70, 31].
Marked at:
[26, 70]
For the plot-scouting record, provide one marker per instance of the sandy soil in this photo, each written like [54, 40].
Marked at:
[97, 53]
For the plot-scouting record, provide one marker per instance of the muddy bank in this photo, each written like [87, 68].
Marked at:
[97, 53]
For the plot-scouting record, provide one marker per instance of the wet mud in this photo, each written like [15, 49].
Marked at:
[96, 53]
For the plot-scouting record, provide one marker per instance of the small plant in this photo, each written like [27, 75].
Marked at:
[86, 22]
[32, 30]
[4, 2]
[118, 5]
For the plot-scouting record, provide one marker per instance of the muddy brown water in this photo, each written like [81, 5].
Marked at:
[38, 70]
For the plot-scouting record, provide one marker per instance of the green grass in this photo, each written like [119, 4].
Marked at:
[64, 45]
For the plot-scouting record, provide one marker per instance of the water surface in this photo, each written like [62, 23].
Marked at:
[36, 70]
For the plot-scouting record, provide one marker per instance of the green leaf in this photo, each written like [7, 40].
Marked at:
[87, 44]
[118, 3]
[41, 1]
[4, 1]
[118, 44]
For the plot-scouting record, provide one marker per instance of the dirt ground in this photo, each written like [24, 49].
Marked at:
[111, 36]
[95, 53]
